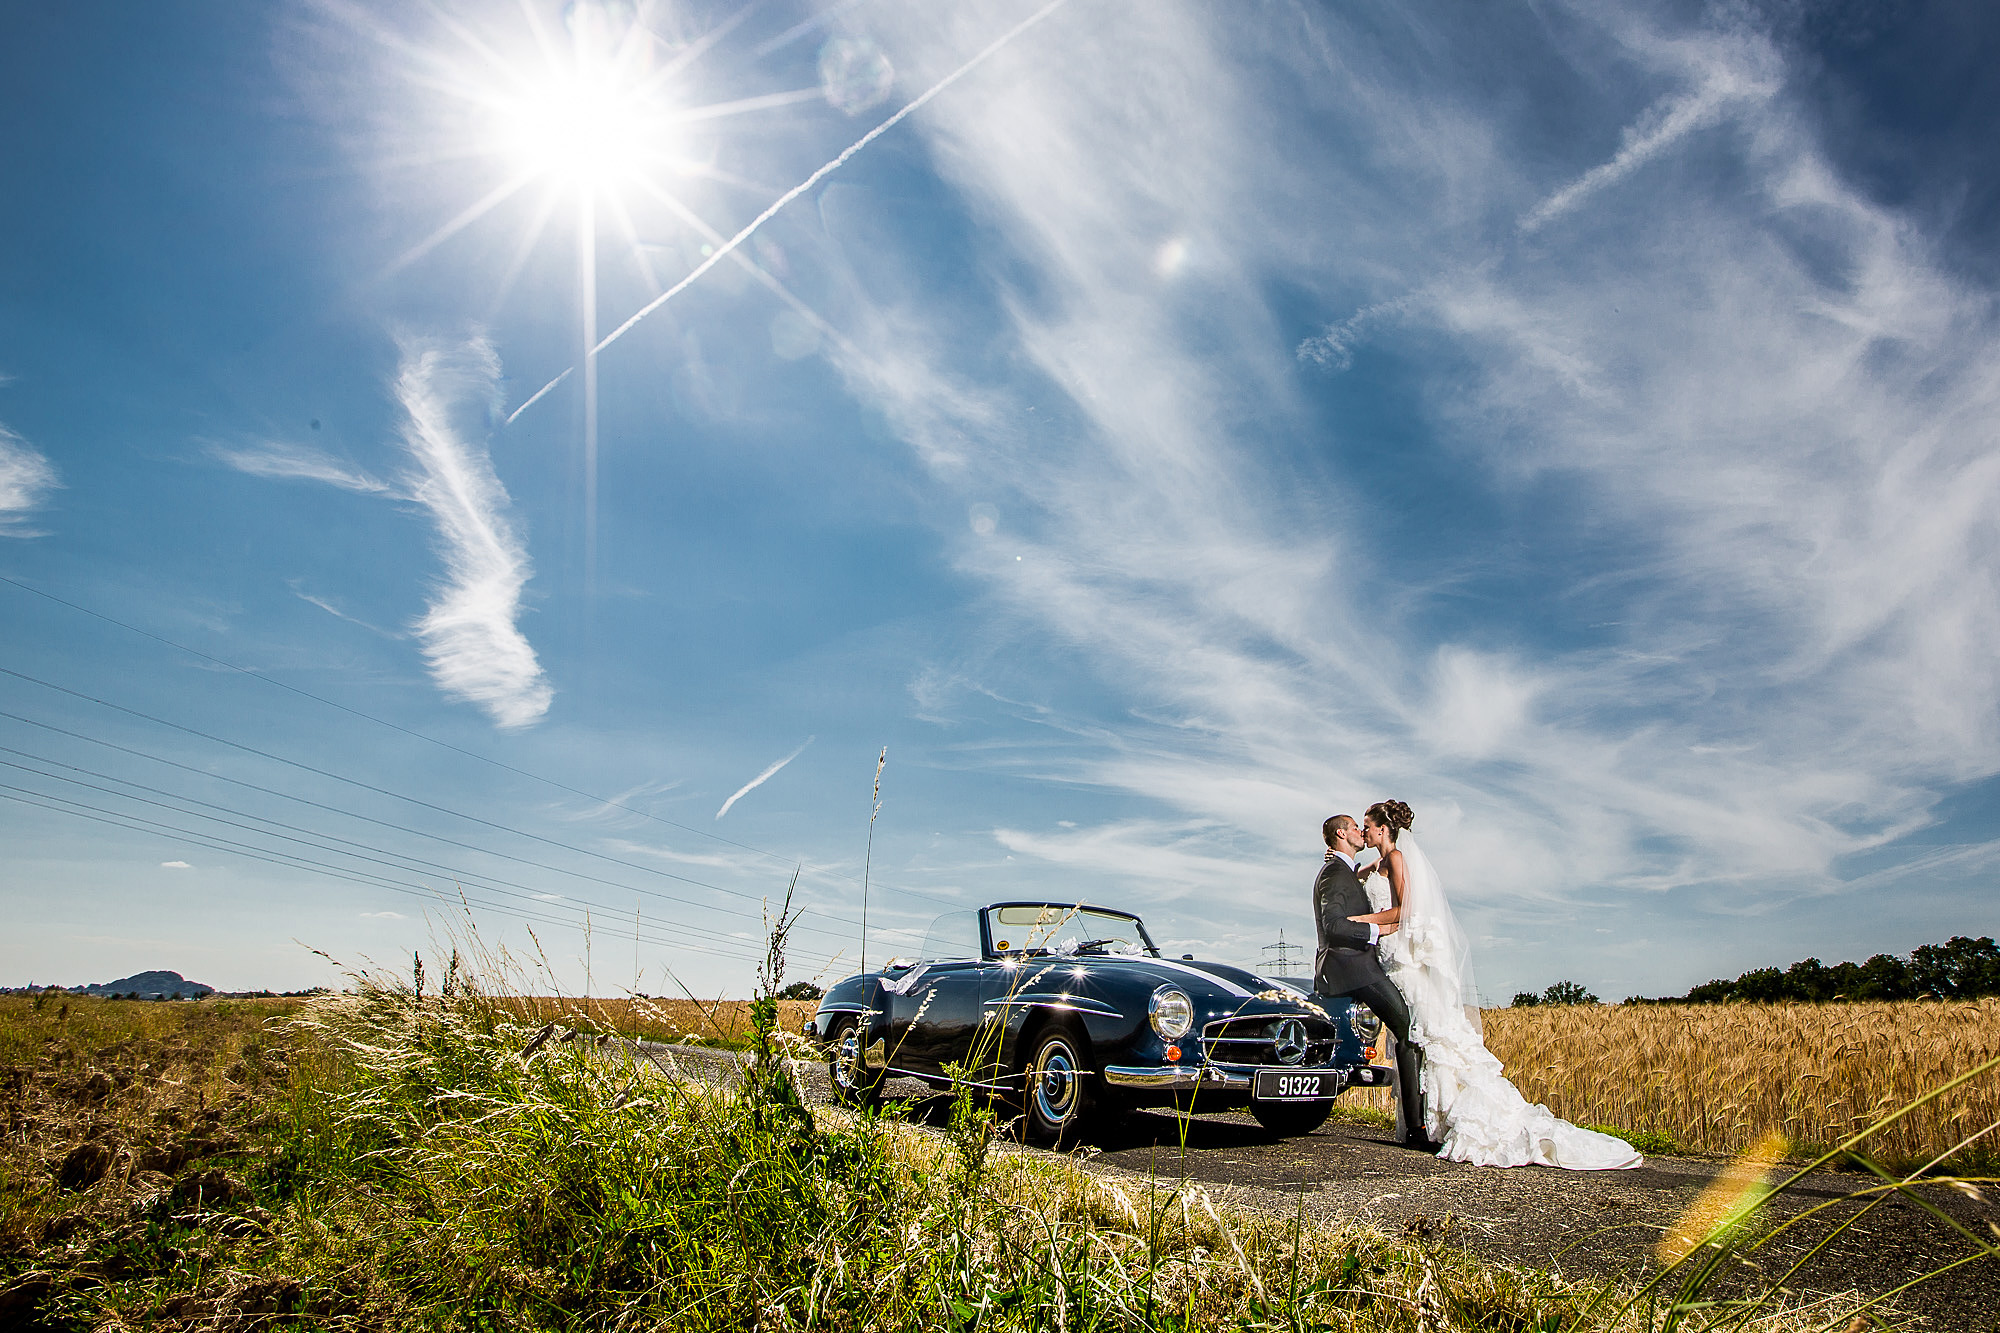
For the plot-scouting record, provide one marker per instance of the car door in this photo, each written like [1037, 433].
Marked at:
[939, 1014]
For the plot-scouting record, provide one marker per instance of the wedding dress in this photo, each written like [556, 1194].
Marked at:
[1469, 1106]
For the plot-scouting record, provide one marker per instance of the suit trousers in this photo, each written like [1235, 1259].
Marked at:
[1389, 1005]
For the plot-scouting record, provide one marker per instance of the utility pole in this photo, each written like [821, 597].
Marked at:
[1279, 958]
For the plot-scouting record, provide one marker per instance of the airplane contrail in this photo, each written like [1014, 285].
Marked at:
[761, 778]
[836, 164]
[537, 396]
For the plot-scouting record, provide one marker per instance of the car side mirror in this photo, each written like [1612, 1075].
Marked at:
[1187, 958]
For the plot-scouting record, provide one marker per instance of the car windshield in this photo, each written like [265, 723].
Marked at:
[1064, 928]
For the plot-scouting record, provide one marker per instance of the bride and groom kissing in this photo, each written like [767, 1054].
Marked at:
[1400, 951]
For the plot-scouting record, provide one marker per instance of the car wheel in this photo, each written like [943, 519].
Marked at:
[1289, 1118]
[853, 1081]
[1060, 1089]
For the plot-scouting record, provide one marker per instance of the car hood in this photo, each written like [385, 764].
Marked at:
[1220, 979]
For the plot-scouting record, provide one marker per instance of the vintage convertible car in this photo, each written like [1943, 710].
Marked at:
[1072, 1010]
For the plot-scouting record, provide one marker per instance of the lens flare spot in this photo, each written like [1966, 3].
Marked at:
[854, 74]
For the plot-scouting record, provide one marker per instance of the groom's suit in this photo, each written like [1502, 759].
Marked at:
[1348, 965]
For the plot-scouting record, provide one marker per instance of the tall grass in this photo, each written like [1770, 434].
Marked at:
[434, 1176]
[421, 1161]
[1715, 1078]
[437, 1177]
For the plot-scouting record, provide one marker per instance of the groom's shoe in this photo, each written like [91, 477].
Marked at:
[1420, 1143]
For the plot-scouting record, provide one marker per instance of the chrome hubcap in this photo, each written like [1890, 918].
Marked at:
[849, 1059]
[1056, 1083]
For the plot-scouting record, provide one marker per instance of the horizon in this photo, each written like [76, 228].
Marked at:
[534, 462]
[217, 992]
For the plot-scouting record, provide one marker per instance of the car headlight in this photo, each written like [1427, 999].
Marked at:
[1172, 1012]
[1366, 1025]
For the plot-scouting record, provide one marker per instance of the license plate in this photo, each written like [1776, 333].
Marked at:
[1277, 1085]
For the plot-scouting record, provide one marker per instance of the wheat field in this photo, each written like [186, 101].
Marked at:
[1710, 1078]
[1714, 1078]
[723, 1022]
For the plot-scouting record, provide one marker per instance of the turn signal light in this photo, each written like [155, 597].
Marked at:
[1368, 1052]
[1173, 1052]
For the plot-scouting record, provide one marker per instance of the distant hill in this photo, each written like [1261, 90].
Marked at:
[150, 986]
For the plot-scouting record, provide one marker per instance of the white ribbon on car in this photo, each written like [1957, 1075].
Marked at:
[908, 981]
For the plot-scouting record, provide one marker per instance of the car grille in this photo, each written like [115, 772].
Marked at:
[1253, 1041]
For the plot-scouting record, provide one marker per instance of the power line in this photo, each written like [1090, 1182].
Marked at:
[134, 824]
[487, 882]
[456, 749]
[368, 819]
[384, 791]
[541, 865]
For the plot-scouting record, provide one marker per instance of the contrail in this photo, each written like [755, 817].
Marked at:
[762, 778]
[538, 396]
[810, 181]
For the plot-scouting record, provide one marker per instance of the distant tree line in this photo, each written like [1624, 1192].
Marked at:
[1959, 969]
[1563, 992]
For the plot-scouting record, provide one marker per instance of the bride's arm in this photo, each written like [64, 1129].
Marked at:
[1392, 866]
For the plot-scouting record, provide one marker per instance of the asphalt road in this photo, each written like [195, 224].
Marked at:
[1581, 1224]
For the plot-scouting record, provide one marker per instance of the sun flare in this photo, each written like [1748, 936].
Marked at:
[591, 117]
[584, 128]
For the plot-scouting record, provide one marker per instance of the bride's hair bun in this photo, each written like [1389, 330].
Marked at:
[1392, 815]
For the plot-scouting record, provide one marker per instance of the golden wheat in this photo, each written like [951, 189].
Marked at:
[721, 1021]
[1715, 1078]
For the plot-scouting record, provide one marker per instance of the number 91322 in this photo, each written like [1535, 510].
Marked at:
[1275, 1086]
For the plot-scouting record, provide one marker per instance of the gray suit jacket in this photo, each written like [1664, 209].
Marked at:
[1346, 961]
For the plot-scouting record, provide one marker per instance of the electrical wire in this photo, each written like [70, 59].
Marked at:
[485, 882]
[264, 790]
[458, 872]
[139, 825]
[456, 749]
[383, 791]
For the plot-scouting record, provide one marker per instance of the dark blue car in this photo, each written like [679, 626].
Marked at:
[1072, 1010]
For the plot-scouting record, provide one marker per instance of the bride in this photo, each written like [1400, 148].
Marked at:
[1470, 1108]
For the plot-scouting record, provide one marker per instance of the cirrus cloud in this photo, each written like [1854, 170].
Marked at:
[450, 394]
[1676, 544]
[26, 478]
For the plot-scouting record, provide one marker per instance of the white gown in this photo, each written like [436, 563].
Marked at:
[1469, 1106]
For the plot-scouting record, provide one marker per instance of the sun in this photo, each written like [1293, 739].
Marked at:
[581, 134]
[592, 117]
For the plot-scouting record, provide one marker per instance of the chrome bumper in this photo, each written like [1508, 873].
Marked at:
[1231, 1078]
[1176, 1078]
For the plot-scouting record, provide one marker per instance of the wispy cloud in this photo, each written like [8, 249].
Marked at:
[26, 478]
[1749, 74]
[284, 461]
[1176, 857]
[175, 865]
[338, 614]
[762, 778]
[1735, 619]
[383, 916]
[450, 393]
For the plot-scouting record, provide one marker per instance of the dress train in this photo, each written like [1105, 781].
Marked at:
[1470, 1107]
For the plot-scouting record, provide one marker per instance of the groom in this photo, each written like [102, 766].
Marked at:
[1347, 965]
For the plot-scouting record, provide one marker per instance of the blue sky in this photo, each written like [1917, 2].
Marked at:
[1190, 421]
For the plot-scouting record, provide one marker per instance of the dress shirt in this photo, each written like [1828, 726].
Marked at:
[1374, 931]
